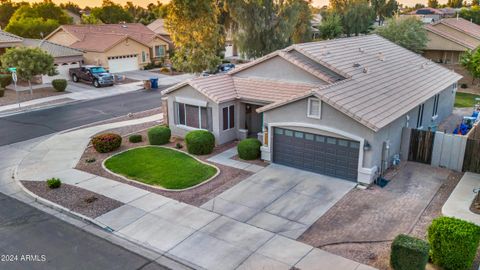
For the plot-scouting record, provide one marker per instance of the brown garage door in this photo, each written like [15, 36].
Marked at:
[320, 154]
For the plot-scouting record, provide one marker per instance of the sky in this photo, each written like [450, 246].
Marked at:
[92, 3]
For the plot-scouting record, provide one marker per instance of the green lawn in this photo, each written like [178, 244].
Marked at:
[160, 166]
[463, 100]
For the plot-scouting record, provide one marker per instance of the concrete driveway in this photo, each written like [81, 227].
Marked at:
[142, 75]
[280, 199]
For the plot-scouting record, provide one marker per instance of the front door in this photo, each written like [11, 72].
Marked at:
[253, 120]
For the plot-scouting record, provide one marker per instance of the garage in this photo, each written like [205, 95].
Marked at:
[62, 69]
[123, 63]
[326, 155]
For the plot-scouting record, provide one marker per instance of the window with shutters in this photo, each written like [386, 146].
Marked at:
[314, 108]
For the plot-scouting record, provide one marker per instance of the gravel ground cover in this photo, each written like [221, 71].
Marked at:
[74, 198]
[10, 96]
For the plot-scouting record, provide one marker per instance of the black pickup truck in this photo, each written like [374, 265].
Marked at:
[96, 75]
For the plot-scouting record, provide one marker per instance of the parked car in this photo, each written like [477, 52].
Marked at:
[226, 67]
[96, 75]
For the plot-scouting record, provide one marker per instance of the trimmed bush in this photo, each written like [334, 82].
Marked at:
[59, 85]
[200, 142]
[409, 253]
[107, 142]
[135, 138]
[453, 242]
[159, 135]
[54, 183]
[164, 70]
[5, 80]
[2, 92]
[249, 149]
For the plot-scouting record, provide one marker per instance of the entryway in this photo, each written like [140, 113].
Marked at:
[253, 120]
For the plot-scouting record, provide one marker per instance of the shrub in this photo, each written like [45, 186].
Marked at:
[5, 80]
[59, 85]
[179, 146]
[159, 135]
[90, 160]
[165, 70]
[409, 253]
[200, 142]
[54, 183]
[249, 149]
[107, 142]
[135, 138]
[2, 92]
[463, 85]
[453, 242]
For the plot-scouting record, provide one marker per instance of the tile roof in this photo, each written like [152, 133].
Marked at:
[56, 50]
[460, 25]
[386, 81]
[463, 25]
[381, 80]
[453, 37]
[158, 26]
[9, 38]
[100, 37]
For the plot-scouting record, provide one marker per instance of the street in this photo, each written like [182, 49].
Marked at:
[32, 239]
[34, 124]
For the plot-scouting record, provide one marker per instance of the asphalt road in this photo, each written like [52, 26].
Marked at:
[54, 244]
[25, 126]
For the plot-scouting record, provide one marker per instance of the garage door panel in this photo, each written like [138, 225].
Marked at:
[321, 154]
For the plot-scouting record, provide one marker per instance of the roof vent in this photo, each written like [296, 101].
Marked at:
[424, 65]
[356, 65]
[365, 70]
[381, 57]
[361, 50]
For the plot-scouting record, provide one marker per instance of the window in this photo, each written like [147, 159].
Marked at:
[144, 57]
[435, 105]
[313, 108]
[420, 116]
[192, 116]
[159, 51]
[228, 117]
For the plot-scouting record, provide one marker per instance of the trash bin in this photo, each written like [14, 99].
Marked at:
[154, 83]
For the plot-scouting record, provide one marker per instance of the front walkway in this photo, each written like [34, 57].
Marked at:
[225, 158]
[198, 237]
[458, 204]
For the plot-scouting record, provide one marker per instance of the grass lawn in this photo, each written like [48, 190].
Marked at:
[160, 166]
[463, 100]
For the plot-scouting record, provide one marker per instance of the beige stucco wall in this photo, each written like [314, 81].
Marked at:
[63, 38]
[278, 68]
[155, 42]
[436, 42]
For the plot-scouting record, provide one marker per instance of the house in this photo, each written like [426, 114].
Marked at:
[117, 47]
[158, 26]
[334, 107]
[431, 15]
[64, 57]
[449, 38]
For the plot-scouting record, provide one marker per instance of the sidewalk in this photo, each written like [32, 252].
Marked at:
[195, 236]
[458, 204]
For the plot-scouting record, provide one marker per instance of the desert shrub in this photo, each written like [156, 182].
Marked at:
[90, 160]
[5, 80]
[200, 142]
[59, 85]
[179, 146]
[54, 183]
[249, 149]
[135, 138]
[409, 253]
[453, 243]
[159, 135]
[107, 142]
[463, 85]
[164, 70]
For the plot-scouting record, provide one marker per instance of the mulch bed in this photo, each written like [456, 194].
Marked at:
[227, 178]
[258, 162]
[377, 254]
[10, 96]
[74, 198]
[475, 207]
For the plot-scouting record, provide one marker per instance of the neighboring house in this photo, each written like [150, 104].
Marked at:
[64, 57]
[431, 15]
[330, 107]
[158, 26]
[449, 38]
[76, 19]
[117, 47]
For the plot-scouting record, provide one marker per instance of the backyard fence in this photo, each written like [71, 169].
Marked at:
[421, 146]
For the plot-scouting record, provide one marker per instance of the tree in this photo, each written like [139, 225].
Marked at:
[455, 3]
[331, 26]
[72, 7]
[470, 60]
[433, 3]
[302, 31]
[90, 19]
[7, 9]
[30, 62]
[471, 14]
[407, 32]
[475, 2]
[384, 8]
[32, 27]
[45, 10]
[194, 29]
[110, 12]
[358, 18]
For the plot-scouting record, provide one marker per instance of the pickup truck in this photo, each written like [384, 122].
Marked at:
[96, 75]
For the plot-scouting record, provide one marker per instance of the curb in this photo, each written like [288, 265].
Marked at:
[26, 110]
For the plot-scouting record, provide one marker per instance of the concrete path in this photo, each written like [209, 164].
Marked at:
[198, 237]
[225, 158]
[162, 78]
[280, 199]
[458, 204]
